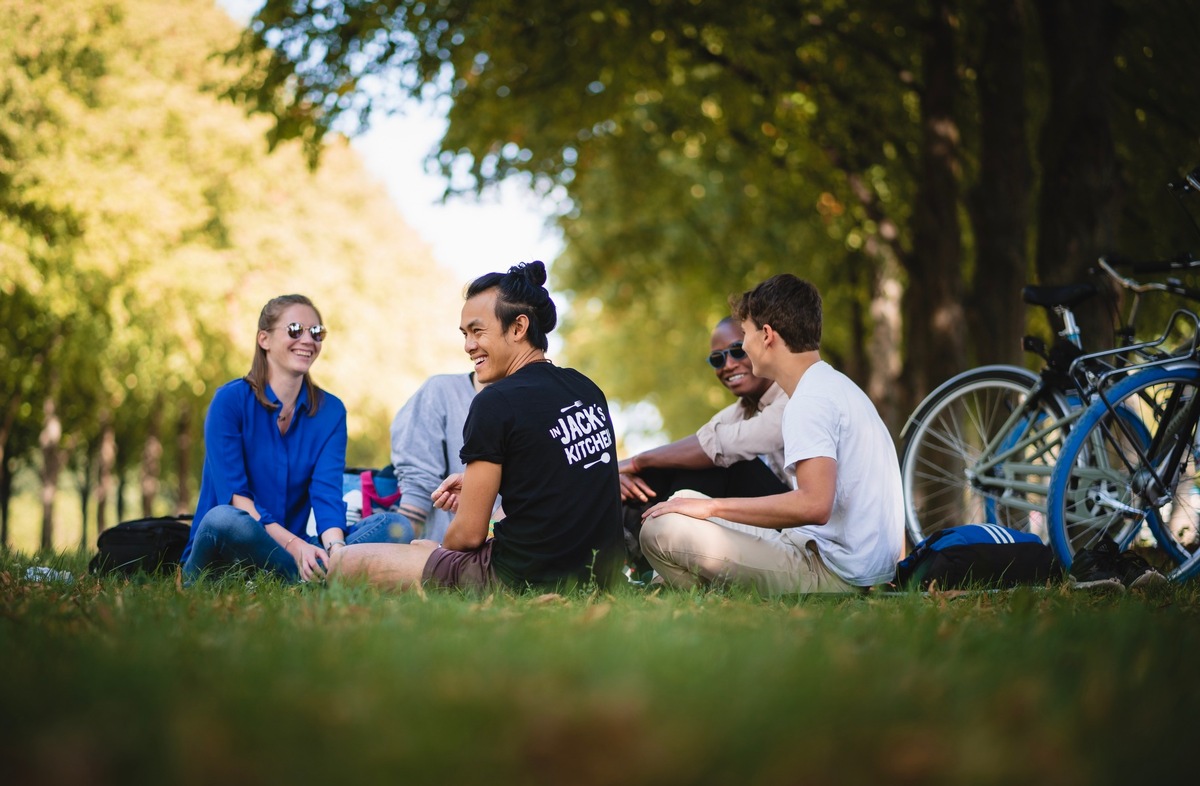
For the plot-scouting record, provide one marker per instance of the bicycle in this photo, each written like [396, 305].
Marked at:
[1113, 480]
[982, 446]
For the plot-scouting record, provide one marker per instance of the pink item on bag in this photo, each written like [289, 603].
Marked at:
[371, 496]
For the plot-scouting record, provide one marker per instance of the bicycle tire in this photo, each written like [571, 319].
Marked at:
[946, 437]
[1101, 486]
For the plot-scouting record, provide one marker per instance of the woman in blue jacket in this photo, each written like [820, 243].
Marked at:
[275, 450]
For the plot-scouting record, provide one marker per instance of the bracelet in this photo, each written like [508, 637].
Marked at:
[285, 545]
[633, 465]
[329, 546]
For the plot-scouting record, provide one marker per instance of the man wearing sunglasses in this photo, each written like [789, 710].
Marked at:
[737, 453]
[840, 526]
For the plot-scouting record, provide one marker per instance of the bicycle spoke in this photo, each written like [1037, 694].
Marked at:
[949, 475]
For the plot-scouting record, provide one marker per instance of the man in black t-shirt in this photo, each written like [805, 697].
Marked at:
[538, 435]
[549, 428]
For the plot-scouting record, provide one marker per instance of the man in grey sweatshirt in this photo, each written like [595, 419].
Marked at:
[427, 434]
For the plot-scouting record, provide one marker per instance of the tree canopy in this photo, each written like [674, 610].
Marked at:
[919, 162]
[143, 224]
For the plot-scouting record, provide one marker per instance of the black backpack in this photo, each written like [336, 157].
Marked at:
[154, 545]
[978, 555]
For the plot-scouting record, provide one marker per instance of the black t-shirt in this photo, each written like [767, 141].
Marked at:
[550, 429]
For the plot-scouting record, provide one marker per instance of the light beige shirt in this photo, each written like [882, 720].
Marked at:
[731, 436]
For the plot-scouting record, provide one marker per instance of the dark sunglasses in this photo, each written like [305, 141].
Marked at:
[295, 330]
[718, 358]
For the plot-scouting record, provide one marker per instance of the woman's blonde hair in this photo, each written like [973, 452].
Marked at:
[258, 367]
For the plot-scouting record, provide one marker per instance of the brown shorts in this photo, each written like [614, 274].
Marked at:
[460, 569]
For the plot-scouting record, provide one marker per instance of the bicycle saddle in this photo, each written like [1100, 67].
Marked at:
[1049, 297]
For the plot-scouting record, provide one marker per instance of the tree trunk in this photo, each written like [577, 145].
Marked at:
[855, 365]
[1078, 207]
[121, 486]
[5, 496]
[50, 441]
[1000, 203]
[6, 428]
[935, 339]
[151, 463]
[105, 481]
[183, 461]
[85, 496]
[883, 346]
[883, 350]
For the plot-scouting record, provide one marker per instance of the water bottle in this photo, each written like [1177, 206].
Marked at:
[353, 501]
[43, 573]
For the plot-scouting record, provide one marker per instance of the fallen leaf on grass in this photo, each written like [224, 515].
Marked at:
[485, 604]
[597, 612]
[912, 757]
[105, 615]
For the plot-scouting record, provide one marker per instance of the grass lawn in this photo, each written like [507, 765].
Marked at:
[115, 681]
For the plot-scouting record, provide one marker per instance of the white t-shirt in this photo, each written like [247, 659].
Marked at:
[828, 415]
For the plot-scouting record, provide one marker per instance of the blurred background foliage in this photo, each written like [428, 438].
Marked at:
[143, 224]
[920, 162]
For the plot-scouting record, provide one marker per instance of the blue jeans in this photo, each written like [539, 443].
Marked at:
[229, 537]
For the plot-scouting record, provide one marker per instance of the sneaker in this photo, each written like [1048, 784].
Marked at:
[1097, 580]
[1137, 574]
[1097, 567]
[1149, 580]
[1104, 565]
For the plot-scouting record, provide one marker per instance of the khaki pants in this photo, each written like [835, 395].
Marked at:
[690, 552]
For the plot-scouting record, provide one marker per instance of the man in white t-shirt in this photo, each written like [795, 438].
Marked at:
[841, 526]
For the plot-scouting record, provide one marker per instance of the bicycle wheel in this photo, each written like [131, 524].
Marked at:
[979, 449]
[1129, 465]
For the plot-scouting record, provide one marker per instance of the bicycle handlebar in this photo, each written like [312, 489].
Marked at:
[1176, 288]
[1184, 261]
[1190, 182]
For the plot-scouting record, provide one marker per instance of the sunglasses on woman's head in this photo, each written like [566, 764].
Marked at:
[720, 357]
[295, 330]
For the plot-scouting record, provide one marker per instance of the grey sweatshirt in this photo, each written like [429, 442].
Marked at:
[427, 434]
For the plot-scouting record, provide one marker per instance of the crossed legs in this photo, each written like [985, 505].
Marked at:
[689, 552]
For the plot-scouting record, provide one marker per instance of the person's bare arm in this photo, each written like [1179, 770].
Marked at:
[310, 560]
[811, 502]
[685, 453]
[474, 492]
